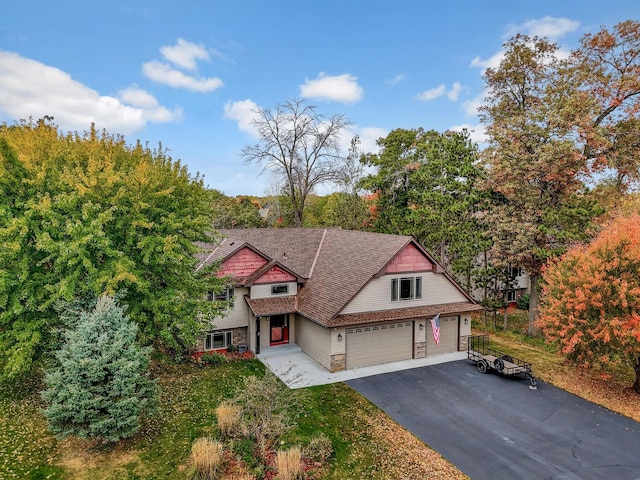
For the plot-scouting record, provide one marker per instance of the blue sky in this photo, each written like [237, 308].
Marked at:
[190, 74]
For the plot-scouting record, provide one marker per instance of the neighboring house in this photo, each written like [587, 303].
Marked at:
[347, 298]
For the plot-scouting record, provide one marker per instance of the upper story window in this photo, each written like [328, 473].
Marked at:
[514, 271]
[406, 288]
[226, 295]
[281, 289]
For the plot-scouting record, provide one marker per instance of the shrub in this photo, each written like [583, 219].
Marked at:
[231, 348]
[213, 358]
[289, 463]
[100, 387]
[319, 448]
[207, 456]
[228, 416]
[266, 406]
[523, 302]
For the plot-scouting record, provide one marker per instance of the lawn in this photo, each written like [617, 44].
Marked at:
[367, 443]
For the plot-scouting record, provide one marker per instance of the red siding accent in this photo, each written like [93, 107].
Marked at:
[409, 260]
[244, 262]
[275, 274]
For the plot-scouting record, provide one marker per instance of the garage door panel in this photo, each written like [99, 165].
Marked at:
[376, 344]
[449, 327]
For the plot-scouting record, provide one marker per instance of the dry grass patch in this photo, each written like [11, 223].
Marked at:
[228, 416]
[402, 456]
[83, 459]
[208, 457]
[289, 463]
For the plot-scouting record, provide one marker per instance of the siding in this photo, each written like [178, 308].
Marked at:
[238, 315]
[314, 340]
[242, 263]
[264, 290]
[376, 295]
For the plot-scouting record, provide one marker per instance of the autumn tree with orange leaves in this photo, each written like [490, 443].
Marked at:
[591, 298]
[553, 123]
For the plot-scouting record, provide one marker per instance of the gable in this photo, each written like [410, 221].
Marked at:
[275, 274]
[410, 259]
[242, 263]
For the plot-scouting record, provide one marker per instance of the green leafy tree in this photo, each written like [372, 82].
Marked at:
[100, 387]
[591, 298]
[425, 185]
[235, 212]
[86, 214]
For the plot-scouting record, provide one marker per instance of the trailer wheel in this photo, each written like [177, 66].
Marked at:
[498, 364]
[482, 366]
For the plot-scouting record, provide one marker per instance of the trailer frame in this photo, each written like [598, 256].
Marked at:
[487, 359]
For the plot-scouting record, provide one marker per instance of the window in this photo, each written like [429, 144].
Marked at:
[217, 340]
[279, 289]
[226, 295]
[511, 296]
[406, 288]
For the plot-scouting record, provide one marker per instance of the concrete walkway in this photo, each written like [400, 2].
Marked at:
[299, 370]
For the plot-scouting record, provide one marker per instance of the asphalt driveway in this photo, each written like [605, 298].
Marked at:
[496, 428]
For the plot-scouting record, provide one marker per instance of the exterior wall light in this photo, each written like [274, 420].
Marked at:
[421, 327]
[339, 337]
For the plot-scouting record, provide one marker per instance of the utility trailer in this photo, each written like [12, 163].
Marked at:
[486, 359]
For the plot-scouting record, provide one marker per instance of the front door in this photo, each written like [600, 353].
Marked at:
[279, 331]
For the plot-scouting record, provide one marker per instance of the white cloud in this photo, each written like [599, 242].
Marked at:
[29, 88]
[341, 88]
[476, 132]
[185, 54]
[454, 93]
[369, 136]
[152, 110]
[397, 79]
[470, 107]
[163, 73]
[433, 93]
[492, 62]
[550, 27]
[244, 112]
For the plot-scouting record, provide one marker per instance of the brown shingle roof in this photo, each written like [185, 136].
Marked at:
[263, 307]
[336, 263]
[425, 311]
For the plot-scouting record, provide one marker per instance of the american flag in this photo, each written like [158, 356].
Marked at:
[435, 327]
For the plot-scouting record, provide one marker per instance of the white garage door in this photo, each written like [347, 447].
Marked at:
[448, 336]
[375, 344]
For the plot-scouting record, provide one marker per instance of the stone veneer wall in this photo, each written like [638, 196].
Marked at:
[420, 350]
[338, 362]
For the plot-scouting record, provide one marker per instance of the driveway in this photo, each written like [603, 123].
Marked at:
[496, 428]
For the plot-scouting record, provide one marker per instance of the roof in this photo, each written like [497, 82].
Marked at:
[264, 307]
[336, 264]
[404, 314]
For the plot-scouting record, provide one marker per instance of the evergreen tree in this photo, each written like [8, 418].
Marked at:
[100, 387]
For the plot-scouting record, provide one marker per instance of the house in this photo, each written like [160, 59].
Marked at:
[347, 298]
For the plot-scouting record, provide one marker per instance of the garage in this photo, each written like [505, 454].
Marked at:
[375, 344]
[449, 327]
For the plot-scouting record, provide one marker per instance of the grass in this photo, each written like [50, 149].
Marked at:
[366, 443]
[190, 397]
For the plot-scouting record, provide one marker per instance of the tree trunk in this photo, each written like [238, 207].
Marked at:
[636, 368]
[534, 298]
[505, 320]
